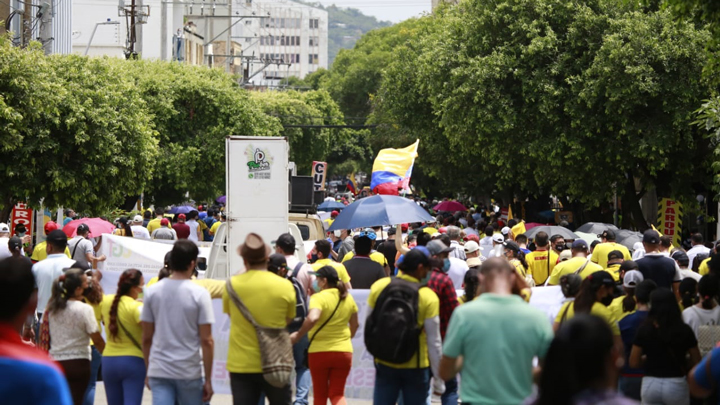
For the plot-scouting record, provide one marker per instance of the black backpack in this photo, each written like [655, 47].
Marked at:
[300, 301]
[392, 333]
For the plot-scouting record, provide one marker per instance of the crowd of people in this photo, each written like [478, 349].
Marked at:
[448, 320]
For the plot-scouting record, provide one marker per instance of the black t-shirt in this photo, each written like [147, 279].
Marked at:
[388, 249]
[665, 359]
[363, 272]
[659, 269]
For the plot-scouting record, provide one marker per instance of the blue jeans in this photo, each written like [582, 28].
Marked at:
[450, 396]
[166, 391]
[94, 368]
[412, 383]
[302, 379]
[124, 378]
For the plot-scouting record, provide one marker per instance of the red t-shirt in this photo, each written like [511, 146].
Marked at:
[182, 229]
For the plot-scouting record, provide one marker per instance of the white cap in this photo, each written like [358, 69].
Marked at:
[471, 246]
[566, 254]
[138, 218]
[4, 228]
[505, 230]
[632, 279]
[497, 238]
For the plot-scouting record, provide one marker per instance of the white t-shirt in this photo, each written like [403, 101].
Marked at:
[696, 250]
[84, 246]
[4, 249]
[45, 272]
[696, 317]
[140, 232]
[457, 271]
[193, 224]
[687, 273]
[70, 331]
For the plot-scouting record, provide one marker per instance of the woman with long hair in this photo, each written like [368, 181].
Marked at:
[665, 340]
[93, 296]
[123, 364]
[625, 304]
[72, 324]
[470, 285]
[707, 311]
[332, 321]
[688, 292]
[124, 228]
[581, 365]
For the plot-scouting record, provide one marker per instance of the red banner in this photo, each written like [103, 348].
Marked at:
[21, 214]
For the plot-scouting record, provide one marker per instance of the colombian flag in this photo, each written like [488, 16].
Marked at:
[351, 184]
[392, 169]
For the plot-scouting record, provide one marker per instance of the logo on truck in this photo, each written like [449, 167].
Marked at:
[258, 163]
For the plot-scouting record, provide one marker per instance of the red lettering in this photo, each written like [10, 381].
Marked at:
[669, 217]
[670, 211]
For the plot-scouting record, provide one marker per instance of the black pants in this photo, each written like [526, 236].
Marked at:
[247, 388]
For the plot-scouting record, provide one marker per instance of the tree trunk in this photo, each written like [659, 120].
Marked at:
[8, 205]
[631, 206]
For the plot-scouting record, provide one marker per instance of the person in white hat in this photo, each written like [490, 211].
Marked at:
[497, 240]
[138, 230]
[4, 239]
[472, 252]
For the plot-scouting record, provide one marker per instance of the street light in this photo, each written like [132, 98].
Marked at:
[108, 22]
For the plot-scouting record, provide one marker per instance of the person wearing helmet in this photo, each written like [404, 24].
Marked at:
[40, 251]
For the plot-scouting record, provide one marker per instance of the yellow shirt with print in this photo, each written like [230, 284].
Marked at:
[598, 309]
[128, 314]
[375, 256]
[341, 270]
[335, 336]
[428, 307]
[570, 266]
[616, 309]
[601, 251]
[271, 301]
[538, 264]
[155, 224]
[40, 252]
[704, 267]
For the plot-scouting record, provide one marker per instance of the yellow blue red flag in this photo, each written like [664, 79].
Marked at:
[392, 169]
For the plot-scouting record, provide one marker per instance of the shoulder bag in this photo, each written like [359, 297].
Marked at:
[276, 354]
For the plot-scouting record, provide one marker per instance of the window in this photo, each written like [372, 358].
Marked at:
[313, 59]
[314, 23]
[248, 22]
[314, 41]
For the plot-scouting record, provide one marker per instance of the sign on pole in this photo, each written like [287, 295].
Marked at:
[319, 172]
[670, 219]
[21, 214]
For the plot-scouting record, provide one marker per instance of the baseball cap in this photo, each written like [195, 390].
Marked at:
[498, 238]
[20, 228]
[566, 254]
[632, 279]
[505, 230]
[286, 242]
[681, 257]
[651, 237]
[423, 249]
[607, 234]
[164, 222]
[57, 238]
[138, 218]
[276, 262]
[4, 227]
[472, 237]
[327, 272]
[367, 233]
[471, 247]
[182, 217]
[580, 244]
[628, 265]
[14, 243]
[615, 255]
[50, 226]
[82, 228]
[601, 277]
[435, 247]
[334, 214]
[404, 227]
[508, 244]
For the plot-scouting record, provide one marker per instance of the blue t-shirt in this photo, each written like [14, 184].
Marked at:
[629, 326]
[701, 375]
[66, 221]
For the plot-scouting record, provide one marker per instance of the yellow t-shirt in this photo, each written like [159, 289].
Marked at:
[40, 252]
[428, 307]
[341, 270]
[598, 309]
[329, 222]
[521, 271]
[271, 301]
[614, 271]
[335, 336]
[375, 256]
[616, 309]
[430, 230]
[538, 264]
[128, 314]
[704, 267]
[151, 282]
[570, 266]
[214, 227]
[461, 299]
[600, 253]
[155, 224]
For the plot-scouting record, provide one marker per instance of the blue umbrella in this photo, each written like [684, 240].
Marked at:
[380, 210]
[181, 209]
[330, 206]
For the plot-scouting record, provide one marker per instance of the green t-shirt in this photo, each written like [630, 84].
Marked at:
[502, 330]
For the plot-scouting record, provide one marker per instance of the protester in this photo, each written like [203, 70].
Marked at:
[473, 254]
[270, 300]
[40, 250]
[221, 218]
[4, 239]
[570, 287]
[27, 375]
[388, 248]
[706, 312]
[666, 246]
[607, 245]
[82, 248]
[487, 240]
[558, 243]
[93, 296]
[177, 318]
[688, 293]
[322, 249]
[522, 241]
[702, 379]
[195, 234]
[332, 321]
[698, 247]
[630, 382]
[541, 262]
[124, 228]
[453, 232]
[182, 230]
[156, 223]
[122, 363]
[139, 231]
[410, 379]
[15, 246]
[361, 268]
[580, 264]
[147, 217]
[683, 262]
[497, 246]
[374, 255]
[581, 366]
[517, 259]
[615, 259]
[212, 217]
[347, 244]
[70, 215]
[655, 266]
[481, 335]
[71, 325]
[660, 348]
[470, 285]
[625, 304]
[163, 231]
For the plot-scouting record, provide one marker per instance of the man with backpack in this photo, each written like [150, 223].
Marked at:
[300, 271]
[402, 332]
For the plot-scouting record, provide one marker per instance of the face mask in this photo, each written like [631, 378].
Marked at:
[607, 300]
[425, 279]
[315, 286]
[313, 257]
[559, 248]
[446, 265]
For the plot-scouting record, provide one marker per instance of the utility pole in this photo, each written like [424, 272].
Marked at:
[46, 21]
[133, 38]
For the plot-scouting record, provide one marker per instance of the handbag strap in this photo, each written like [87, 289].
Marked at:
[239, 304]
[132, 339]
[578, 271]
[327, 320]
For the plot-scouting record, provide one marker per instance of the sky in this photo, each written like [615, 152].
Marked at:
[389, 10]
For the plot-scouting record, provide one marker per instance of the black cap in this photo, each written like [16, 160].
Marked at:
[286, 242]
[628, 265]
[57, 238]
[651, 237]
[681, 257]
[277, 262]
[508, 244]
[327, 272]
[615, 255]
[82, 229]
[14, 243]
[601, 278]
[607, 234]
[20, 228]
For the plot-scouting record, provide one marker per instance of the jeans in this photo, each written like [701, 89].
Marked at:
[302, 379]
[247, 387]
[124, 378]
[630, 387]
[94, 368]
[450, 396]
[167, 391]
[329, 371]
[665, 391]
[413, 383]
